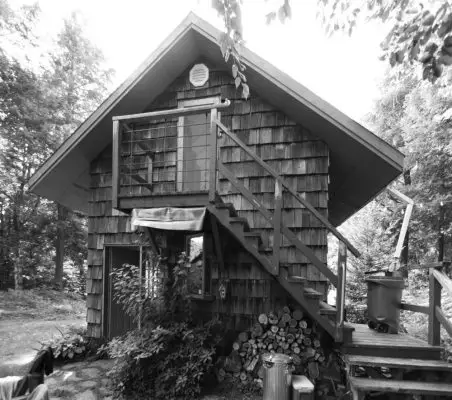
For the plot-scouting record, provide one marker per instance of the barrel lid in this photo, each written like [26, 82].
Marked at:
[391, 281]
[277, 358]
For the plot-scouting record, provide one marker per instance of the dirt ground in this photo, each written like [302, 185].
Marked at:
[31, 318]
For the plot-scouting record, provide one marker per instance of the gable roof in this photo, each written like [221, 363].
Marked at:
[362, 164]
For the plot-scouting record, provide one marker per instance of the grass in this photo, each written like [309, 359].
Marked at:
[40, 304]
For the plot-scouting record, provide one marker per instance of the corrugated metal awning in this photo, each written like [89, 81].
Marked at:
[169, 218]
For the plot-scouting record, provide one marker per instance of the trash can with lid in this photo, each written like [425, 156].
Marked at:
[384, 294]
[277, 376]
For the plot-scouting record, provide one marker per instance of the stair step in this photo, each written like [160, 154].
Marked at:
[240, 224]
[254, 238]
[405, 363]
[393, 386]
[296, 279]
[227, 206]
[265, 250]
[311, 293]
[327, 309]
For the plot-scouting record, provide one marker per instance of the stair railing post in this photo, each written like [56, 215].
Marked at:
[213, 139]
[116, 160]
[340, 294]
[277, 225]
[434, 326]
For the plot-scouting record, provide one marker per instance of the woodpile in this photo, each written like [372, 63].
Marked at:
[288, 332]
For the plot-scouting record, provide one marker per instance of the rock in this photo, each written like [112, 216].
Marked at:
[88, 384]
[103, 364]
[92, 373]
[86, 395]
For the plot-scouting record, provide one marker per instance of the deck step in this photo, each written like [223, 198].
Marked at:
[405, 363]
[367, 342]
[364, 385]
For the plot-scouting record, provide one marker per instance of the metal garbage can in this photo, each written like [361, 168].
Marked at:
[384, 294]
[277, 376]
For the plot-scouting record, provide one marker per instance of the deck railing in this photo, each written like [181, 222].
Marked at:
[438, 280]
[151, 157]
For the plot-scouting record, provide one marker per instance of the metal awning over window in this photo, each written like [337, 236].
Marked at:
[169, 218]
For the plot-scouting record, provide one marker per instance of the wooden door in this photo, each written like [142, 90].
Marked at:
[116, 321]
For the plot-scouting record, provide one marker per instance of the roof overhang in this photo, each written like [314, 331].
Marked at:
[362, 164]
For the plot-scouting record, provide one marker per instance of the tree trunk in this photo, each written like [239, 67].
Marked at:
[59, 246]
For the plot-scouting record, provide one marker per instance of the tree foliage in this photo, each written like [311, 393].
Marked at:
[38, 110]
[420, 31]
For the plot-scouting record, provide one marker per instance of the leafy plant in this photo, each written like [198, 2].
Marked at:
[169, 356]
[74, 346]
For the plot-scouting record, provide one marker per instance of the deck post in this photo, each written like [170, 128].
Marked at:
[277, 226]
[340, 294]
[434, 326]
[213, 141]
[115, 166]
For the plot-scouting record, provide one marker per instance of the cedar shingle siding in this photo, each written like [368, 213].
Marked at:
[291, 150]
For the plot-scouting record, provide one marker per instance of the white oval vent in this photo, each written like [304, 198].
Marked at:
[199, 75]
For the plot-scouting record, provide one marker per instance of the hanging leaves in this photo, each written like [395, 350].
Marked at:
[417, 34]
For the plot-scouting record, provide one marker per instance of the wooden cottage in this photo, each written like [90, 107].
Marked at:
[249, 188]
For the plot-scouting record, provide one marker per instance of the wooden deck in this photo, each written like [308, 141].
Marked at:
[366, 341]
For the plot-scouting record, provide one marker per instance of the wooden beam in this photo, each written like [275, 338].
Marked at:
[340, 293]
[213, 146]
[277, 225]
[438, 264]
[414, 308]
[434, 331]
[172, 200]
[400, 196]
[403, 231]
[445, 322]
[217, 241]
[275, 175]
[116, 158]
[177, 112]
[444, 280]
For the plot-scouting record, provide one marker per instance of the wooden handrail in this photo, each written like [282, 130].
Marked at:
[175, 112]
[439, 313]
[285, 231]
[443, 280]
[414, 308]
[275, 175]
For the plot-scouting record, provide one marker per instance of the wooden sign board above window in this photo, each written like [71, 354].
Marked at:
[199, 75]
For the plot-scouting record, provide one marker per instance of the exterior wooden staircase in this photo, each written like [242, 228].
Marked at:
[329, 317]
[308, 298]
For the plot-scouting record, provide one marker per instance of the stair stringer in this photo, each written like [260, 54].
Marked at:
[292, 288]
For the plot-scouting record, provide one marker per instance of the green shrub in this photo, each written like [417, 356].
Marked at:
[74, 346]
[170, 355]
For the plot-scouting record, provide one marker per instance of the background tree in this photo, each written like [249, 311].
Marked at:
[78, 83]
[39, 109]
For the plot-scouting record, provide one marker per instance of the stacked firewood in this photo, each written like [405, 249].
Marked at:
[287, 332]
